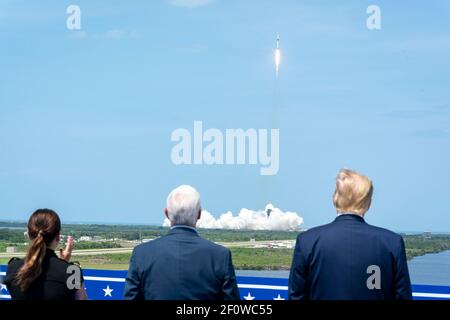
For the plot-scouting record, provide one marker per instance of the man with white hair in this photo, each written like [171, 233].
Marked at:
[181, 265]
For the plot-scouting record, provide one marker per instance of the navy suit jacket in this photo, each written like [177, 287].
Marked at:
[181, 266]
[330, 262]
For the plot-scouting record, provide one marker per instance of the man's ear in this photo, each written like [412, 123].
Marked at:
[166, 213]
[199, 214]
[335, 199]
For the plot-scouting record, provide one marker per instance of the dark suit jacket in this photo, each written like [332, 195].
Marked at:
[50, 285]
[181, 266]
[331, 261]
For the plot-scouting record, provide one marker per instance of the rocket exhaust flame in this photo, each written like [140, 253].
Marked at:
[277, 61]
[277, 56]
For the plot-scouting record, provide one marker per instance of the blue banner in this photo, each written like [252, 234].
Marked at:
[109, 285]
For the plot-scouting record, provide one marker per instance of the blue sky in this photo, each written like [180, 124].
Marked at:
[86, 116]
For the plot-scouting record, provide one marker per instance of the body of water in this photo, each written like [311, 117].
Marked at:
[431, 269]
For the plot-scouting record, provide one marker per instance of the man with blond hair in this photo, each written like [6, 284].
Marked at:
[349, 259]
[181, 265]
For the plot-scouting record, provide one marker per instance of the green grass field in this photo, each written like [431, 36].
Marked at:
[243, 258]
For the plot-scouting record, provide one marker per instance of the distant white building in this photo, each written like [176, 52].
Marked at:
[11, 249]
[85, 238]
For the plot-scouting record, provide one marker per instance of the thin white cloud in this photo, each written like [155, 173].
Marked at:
[78, 35]
[194, 48]
[438, 111]
[423, 44]
[190, 3]
[119, 34]
[432, 134]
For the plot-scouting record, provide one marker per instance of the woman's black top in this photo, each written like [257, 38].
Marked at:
[53, 283]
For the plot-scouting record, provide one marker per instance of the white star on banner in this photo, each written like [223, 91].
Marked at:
[2, 287]
[249, 297]
[279, 298]
[108, 291]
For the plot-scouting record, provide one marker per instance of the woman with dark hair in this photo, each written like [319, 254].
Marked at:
[41, 275]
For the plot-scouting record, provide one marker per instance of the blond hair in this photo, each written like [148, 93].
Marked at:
[353, 192]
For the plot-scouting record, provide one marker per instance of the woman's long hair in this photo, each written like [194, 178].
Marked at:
[43, 227]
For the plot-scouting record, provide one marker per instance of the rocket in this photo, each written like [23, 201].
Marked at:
[277, 56]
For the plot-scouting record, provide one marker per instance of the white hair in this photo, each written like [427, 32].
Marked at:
[183, 206]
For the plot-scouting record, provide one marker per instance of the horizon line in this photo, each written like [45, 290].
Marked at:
[154, 225]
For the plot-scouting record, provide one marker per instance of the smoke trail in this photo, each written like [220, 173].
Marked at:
[271, 218]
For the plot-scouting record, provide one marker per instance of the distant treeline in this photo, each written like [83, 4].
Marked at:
[96, 245]
[418, 245]
[9, 224]
[12, 235]
[220, 235]
[139, 232]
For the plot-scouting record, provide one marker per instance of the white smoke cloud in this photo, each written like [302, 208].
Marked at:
[271, 218]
